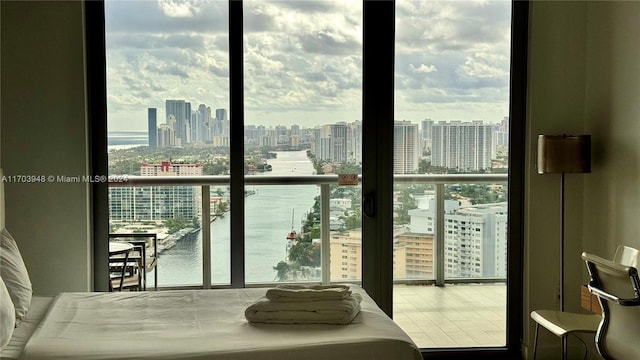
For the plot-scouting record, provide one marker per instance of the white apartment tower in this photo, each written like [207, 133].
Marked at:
[475, 241]
[464, 146]
[475, 237]
[165, 136]
[157, 202]
[331, 142]
[355, 142]
[406, 147]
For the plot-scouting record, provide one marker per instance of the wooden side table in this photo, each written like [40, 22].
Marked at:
[589, 301]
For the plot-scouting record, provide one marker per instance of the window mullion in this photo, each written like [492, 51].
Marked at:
[377, 149]
[236, 116]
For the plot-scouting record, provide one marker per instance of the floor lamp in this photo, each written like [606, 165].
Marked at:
[563, 154]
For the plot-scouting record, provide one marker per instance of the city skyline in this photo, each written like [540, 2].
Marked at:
[303, 60]
[160, 115]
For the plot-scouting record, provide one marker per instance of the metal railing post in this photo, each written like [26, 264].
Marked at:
[205, 227]
[325, 234]
[439, 238]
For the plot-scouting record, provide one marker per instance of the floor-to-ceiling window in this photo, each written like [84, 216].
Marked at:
[304, 82]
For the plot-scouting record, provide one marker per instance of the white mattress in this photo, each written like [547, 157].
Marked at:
[203, 324]
[22, 333]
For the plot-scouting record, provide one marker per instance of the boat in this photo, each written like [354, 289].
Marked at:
[292, 235]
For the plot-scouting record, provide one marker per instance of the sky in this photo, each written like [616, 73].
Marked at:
[303, 60]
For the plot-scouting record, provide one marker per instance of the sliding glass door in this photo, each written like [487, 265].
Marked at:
[450, 165]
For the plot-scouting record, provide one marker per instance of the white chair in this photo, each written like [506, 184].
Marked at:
[563, 323]
[618, 289]
[627, 256]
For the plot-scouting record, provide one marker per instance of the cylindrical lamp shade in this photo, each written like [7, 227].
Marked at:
[564, 154]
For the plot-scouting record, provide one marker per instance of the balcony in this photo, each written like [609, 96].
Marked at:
[434, 302]
[465, 314]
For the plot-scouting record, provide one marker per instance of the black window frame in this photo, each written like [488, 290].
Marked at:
[378, 38]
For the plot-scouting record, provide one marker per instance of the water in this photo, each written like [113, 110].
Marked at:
[137, 137]
[268, 219]
[126, 139]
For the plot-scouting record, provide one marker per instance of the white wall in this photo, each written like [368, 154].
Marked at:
[612, 194]
[44, 133]
[584, 77]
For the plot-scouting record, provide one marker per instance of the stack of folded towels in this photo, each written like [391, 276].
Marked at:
[298, 304]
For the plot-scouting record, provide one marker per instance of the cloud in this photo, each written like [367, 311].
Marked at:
[422, 68]
[305, 57]
[175, 8]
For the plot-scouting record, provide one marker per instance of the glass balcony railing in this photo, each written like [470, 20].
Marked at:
[453, 231]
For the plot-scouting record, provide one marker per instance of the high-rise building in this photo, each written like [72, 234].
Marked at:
[475, 237]
[339, 136]
[406, 147]
[222, 125]
[331, 142]
[178, 118]
[346, 255]
[194, 126]
[355, 142]
[464, 146]
[475, 241]
[165, 136]
[204, 123]
[502, 132]
[152, 127]
[167, 168]
[157, 202]
[413, 256]
[295, 130]
[427, 125]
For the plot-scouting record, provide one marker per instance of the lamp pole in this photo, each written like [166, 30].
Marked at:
[562, 242]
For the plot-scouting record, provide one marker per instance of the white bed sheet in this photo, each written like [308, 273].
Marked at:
[22, 333]
[204, 324]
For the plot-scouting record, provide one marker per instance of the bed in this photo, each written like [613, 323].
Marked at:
[203, 324]
[190, 324]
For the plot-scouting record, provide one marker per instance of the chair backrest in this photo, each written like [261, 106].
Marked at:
[618, 289]
[627, 255]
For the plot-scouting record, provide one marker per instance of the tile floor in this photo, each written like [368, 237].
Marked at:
[460, 315]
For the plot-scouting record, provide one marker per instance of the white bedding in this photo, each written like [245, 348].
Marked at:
[203, 324]
[21, 334]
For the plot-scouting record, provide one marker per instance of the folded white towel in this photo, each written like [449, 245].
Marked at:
[305, 312]
[286, 293]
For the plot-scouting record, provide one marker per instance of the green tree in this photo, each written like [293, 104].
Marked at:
[282, 269]
[305, 254]
[174, 225]
[353, 221]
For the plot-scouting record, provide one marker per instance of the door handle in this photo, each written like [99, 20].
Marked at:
[369, 205]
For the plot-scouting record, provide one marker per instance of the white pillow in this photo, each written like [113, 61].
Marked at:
[7, 316]
[15, 276]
